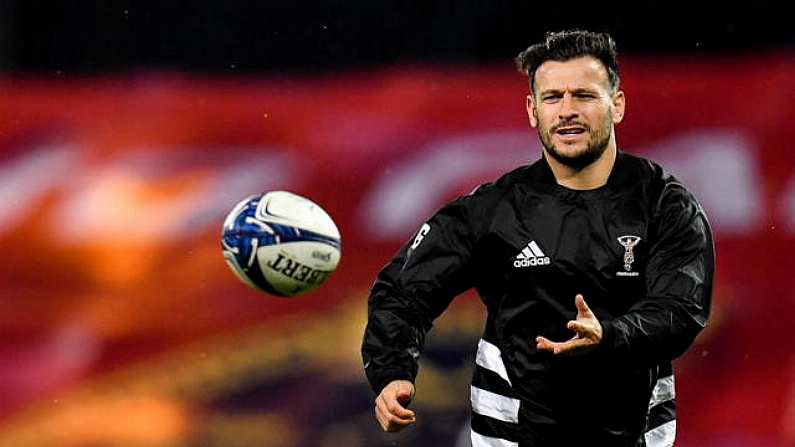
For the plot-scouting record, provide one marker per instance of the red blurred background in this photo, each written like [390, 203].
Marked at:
[121, 325]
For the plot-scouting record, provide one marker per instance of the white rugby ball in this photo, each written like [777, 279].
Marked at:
[280, 243]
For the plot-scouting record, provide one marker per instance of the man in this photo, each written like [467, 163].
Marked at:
[595, 268]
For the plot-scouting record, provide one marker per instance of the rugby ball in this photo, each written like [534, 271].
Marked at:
[280, 243]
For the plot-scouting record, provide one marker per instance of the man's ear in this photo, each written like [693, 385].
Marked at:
[531, 111]
[619, 105]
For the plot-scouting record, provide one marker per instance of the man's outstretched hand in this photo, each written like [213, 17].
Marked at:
[390, 406]
[588, 333]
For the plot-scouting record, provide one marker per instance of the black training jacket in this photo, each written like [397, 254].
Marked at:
[640, 251]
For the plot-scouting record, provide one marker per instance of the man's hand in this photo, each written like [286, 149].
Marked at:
[588, 333]
[390, 406]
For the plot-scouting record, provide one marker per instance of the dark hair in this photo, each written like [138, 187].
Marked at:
[571, 44]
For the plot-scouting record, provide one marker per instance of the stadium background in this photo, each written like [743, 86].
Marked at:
[129, 129]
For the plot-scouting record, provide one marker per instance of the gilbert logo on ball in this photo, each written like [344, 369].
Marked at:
[281, 243]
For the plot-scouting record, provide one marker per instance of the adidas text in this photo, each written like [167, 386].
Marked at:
[531, 262]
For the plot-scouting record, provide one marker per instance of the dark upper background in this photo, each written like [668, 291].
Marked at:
[213, 36]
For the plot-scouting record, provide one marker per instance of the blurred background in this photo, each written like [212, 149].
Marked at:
[129, 129]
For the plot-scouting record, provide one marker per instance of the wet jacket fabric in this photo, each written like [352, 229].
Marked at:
[640, 251]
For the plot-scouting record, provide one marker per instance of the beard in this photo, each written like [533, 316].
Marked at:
[597, 144]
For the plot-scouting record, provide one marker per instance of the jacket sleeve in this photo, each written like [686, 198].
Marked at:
[679, 274]
[411, 291]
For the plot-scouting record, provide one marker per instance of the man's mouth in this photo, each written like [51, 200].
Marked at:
[570, 130]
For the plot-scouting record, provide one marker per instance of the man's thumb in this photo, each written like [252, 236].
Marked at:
[404, 395]
[582, 307]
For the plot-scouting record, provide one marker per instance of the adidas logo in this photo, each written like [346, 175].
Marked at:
[531, 256]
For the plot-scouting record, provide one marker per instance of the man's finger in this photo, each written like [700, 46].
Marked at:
[400, 412]
[396, 424]
[583, 330]
[565, 347]
[394, 407]
[544, 344]
[390, 422]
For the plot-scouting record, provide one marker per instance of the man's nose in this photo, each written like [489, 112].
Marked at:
[567, 109]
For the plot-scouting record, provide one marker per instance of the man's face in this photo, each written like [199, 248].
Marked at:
[574, 110]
